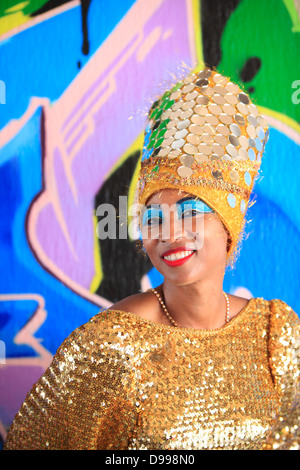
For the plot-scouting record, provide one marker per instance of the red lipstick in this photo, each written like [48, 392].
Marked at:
[180, 261]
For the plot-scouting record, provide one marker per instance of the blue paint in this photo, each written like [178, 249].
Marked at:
[20, 272]
[45, 56]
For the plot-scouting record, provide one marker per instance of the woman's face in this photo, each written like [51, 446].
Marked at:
[184, 238]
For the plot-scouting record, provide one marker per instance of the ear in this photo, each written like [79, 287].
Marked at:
[140, 247]
[229, 241]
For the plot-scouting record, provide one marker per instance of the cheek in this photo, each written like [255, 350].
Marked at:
[221, 235]
[218, 243]
[214, 234]
[150, 247]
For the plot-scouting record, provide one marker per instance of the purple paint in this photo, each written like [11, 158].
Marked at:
[15, 382]
[112, 136]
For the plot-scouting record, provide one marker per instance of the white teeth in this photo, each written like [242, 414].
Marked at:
[179, 255]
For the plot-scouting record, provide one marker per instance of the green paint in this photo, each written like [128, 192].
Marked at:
[7, 7]
[290, 6]
[264, 29]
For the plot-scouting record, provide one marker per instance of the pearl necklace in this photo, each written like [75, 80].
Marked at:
[172, 319]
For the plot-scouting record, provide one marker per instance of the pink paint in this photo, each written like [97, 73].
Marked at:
[26, 335]
[15, 383]
[88, 130]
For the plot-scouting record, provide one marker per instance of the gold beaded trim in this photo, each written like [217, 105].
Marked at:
[190, 181]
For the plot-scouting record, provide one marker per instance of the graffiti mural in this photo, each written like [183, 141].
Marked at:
[73, 102]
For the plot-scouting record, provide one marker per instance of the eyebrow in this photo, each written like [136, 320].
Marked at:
[188, 198]
[180, 201]
[153, 206]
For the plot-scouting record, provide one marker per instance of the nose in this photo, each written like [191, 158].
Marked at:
[172, 229]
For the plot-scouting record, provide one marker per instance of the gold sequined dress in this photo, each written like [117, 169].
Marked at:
[124, 382]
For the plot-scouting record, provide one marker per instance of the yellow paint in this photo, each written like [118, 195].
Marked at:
[137, 145]
[198, 33]
[133, 184]
[18, 7]
[12, 21]
[294, 14]
[98, 276]
[281, 117]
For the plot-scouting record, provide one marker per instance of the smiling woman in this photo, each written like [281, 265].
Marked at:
[167, 369]
[184, 231]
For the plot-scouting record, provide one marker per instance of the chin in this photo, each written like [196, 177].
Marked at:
[182, 275]
[196, 269]
[183, 282]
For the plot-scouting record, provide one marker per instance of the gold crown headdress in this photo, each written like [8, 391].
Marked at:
[205, 137]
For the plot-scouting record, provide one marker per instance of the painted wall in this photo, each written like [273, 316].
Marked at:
[76, 81]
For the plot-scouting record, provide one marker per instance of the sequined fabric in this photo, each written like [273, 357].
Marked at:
[123, 382]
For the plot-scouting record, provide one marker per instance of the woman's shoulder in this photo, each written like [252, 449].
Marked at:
[105, 326]
[284, 347]
[142, 304]
[284, 324]
[146, 305]
[275, 308]
[277, 314]
[282, 313]
[135, 303]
